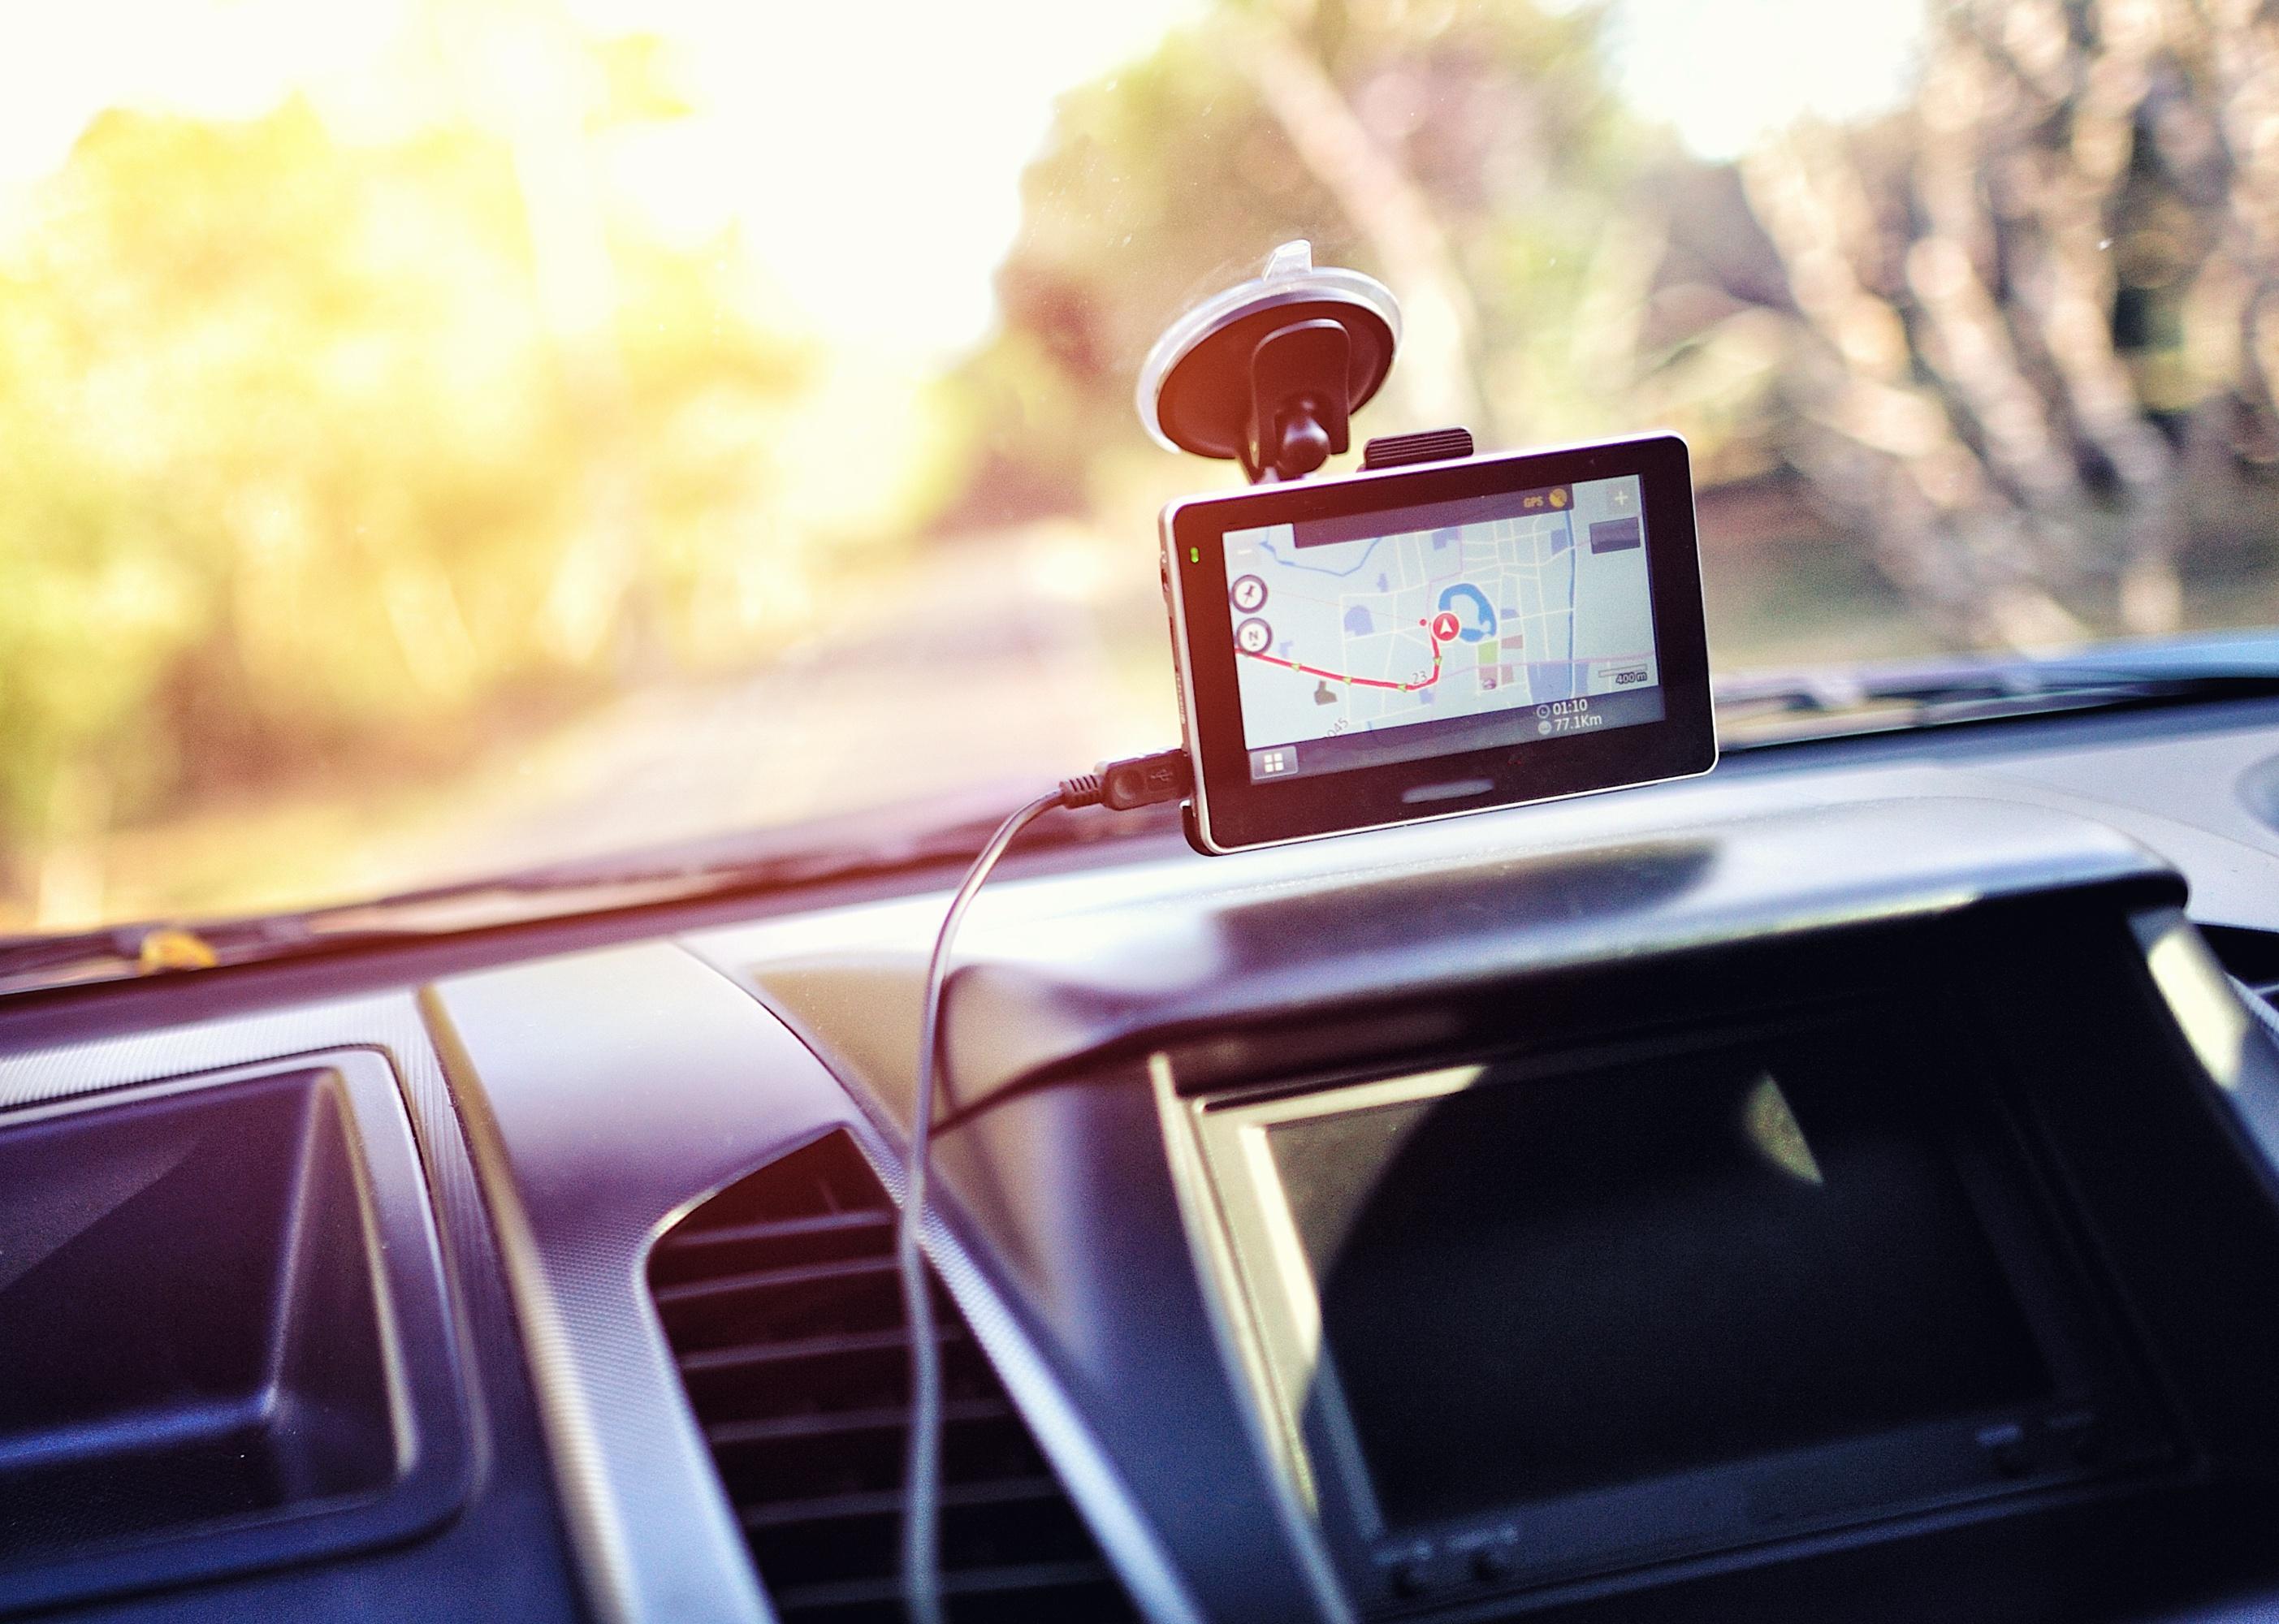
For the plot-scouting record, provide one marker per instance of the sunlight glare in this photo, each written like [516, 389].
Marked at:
[1725, 75]
[871, 153]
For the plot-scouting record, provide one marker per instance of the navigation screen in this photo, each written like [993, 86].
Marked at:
[1425, 631]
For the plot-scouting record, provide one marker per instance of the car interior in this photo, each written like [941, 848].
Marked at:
[1510, 1112]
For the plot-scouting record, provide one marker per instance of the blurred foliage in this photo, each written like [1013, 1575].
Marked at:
[2032, 370]
[348, 459]
[291, 467]
[2013, 343]
[1474, 159]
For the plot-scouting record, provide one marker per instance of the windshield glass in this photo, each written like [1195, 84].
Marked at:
[450, 435]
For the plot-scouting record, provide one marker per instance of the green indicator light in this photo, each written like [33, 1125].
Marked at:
[1194, 555]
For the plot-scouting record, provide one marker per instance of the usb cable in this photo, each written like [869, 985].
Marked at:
[1121, 786]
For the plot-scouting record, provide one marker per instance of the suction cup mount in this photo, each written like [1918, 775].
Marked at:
[1271, 371]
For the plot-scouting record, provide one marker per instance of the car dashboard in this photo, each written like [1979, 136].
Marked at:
[1844, 1185]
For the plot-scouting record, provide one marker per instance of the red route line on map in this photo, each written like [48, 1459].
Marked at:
[1359, 682]
[1411, 687]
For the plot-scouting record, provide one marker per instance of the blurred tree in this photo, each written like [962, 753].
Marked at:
[1474, 159]
[2034, 303]
[288, 467]
[2020, 337]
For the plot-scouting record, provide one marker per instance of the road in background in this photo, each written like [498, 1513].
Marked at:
[969, 675]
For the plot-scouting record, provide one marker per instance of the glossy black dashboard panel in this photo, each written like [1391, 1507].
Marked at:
[1946, 1022]
[574, 1091]
[1060, 976]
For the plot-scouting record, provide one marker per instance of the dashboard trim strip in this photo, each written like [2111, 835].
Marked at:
[581, 1473]
[1283, 1470]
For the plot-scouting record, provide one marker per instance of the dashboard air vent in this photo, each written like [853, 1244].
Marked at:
[779, 1299]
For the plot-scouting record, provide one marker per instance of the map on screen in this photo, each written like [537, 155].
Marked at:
[1543, 603]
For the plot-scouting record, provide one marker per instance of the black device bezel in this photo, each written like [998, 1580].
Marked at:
[1231, 812]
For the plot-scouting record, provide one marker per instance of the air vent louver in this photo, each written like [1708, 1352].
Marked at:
[779, 1299]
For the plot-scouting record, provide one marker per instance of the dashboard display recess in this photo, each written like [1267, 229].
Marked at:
[1524, 1321]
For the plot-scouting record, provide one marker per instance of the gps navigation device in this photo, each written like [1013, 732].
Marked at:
[1388, 646]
